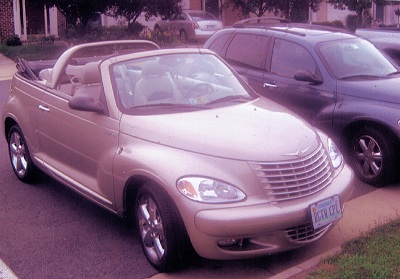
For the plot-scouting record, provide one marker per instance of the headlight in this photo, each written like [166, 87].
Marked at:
[209, 190]
[334, 154]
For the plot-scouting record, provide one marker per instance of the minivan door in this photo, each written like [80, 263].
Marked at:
[247, 54]
[305, 98]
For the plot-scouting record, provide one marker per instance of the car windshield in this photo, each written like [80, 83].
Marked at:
[185, 80]
[355, 58]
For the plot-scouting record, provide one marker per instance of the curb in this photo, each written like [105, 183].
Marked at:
[301, 270]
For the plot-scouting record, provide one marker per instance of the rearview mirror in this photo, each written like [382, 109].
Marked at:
[303, 75]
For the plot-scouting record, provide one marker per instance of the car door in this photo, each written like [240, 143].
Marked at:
[79, 145]
[28, 95]
[306, 98]
[247, 54]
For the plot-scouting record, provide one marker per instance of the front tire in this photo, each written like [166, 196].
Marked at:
[373, 156]
[20, 158]
[161, 232]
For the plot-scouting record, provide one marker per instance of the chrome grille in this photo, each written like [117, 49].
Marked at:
[305, 233]
[287, 180]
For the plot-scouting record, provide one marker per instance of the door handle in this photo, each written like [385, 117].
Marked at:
[269, 85]
[44, 108]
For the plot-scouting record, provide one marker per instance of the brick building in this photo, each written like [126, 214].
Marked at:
[25, 17]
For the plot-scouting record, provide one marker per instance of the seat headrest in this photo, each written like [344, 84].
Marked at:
[153, 69]
[91, 73]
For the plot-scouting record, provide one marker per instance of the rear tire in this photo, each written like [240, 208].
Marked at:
[162, 234]
[20, 158]
[374, 156]
[183, 36]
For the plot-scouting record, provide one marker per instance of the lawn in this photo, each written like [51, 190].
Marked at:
[33, 52]
[375, 254]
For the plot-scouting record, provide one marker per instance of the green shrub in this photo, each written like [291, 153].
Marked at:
[335, 23]
[13, 41]
[164, 38]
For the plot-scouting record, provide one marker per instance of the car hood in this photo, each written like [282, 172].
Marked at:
[258, 131]
[385, 90]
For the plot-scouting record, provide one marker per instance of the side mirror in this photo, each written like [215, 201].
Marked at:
[86, 103]
[303, 75]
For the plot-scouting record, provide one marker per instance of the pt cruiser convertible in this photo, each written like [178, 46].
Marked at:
[175, 141]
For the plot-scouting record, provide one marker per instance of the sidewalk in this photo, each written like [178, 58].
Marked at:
[7, 68]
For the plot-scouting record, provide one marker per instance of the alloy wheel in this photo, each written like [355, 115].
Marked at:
[151, 228]
[368, 157]
[18, 154]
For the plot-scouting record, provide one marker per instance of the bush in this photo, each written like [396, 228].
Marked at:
[335, 23]
[162, 38]
[13, 41]
[352, 22]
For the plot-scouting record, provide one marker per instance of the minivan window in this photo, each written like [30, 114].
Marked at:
[288, 58]
[355, 58]
[247, 50]
[219, 43]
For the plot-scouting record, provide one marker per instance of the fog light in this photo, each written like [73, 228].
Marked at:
[228, 242]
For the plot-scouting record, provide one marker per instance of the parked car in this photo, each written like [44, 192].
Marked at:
[190, 25]
[175, 141]
[337, 81]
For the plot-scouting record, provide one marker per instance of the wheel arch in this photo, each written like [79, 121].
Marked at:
[132, 187]
[353, 127]
[8, 123]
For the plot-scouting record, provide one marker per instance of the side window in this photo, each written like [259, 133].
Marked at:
[219, 43]
[288, 57]
[247, 50]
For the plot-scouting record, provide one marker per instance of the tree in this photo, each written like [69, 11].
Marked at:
[129, 9]
[285, 8]
[79, 12]
[164, 8]
[132, 9]
[358, 6]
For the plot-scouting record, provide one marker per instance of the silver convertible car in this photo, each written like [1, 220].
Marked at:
[175, 141]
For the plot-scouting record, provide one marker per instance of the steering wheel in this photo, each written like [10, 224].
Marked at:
[200, 89]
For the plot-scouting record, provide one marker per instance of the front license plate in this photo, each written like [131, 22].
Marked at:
[326, 211]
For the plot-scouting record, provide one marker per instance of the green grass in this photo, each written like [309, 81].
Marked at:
[375, 254]
[33, 52]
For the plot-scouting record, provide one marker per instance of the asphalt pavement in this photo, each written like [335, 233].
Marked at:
[363, 212]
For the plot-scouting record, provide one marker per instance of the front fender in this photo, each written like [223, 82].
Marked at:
[352, 111]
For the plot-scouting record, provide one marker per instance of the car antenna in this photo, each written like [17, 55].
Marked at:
[198, 46]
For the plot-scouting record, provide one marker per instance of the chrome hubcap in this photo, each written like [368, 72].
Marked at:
[151, 228]
[18, 154]
[368, 157]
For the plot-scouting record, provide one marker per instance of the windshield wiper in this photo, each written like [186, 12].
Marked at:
[361, 77]
[394, 73]
[170, 106]
[231, 98]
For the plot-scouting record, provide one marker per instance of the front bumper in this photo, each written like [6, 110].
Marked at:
[263, 228]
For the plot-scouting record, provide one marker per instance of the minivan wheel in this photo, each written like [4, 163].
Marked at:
[20, 158]
[161, 235]
[373, 156]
